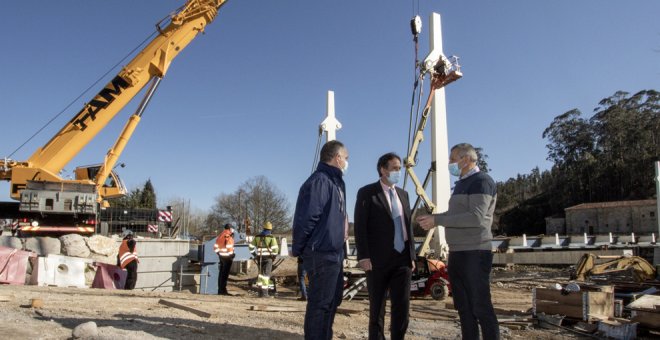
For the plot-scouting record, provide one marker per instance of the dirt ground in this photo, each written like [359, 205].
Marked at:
[139, 315]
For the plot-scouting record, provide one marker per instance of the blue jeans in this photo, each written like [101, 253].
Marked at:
[469, 274]
[301, 277]
[326, 285]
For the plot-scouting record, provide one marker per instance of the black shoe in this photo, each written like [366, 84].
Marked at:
[302, 298]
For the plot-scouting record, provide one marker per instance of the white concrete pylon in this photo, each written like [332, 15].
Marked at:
[284, 248]
[441, 187]
[330, 124]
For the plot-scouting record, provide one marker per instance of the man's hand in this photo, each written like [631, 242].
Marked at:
[426, 222]
[413, 266]
[365, 264]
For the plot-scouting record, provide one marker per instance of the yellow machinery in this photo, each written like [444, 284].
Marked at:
[639, 268]
[48, 202]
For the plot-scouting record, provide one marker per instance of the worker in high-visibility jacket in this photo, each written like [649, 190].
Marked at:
[264, 247]
[224, 247]
[127, 258]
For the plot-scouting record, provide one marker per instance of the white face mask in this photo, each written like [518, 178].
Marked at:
[454, 169]
[345, 168]
[394, 176]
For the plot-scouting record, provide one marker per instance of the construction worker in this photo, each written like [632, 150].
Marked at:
[264, 247]
[224, 247]
[127, 258]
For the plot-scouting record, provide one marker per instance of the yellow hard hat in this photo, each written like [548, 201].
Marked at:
[268, 226]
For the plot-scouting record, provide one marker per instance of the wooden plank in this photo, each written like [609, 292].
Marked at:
[265, 308]
[501, 311]
[551, 308]
[432, 317]
[647, 319]
[509, 320]
[186, 308]
[5, 298]
[571, 299]
[446, 314]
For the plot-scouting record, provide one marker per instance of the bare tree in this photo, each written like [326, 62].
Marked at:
[192, 221]
[256, 200]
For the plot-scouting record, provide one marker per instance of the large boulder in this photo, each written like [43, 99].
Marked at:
[112, 259]
[11, 242]
[102, 245]
[74, 245]
[43, 245]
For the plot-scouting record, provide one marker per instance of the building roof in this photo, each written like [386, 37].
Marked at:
[614, 204]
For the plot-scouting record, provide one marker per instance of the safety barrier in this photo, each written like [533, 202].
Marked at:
[60, 271]
[109, 276]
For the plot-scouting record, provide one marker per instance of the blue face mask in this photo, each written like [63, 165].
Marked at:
[394, 176]
[454, 169]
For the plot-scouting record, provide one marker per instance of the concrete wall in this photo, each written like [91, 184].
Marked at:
[160, 261]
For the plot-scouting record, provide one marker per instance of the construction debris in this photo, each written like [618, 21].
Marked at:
[646, 311]
[578, 305]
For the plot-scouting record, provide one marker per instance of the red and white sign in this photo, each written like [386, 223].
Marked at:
[165, 216]
[152, 228]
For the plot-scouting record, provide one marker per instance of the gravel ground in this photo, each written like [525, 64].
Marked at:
[139, 315]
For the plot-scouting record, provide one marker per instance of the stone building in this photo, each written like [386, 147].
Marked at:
[620, 217]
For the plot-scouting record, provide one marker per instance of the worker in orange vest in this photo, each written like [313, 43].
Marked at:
[128, 259]
[224, 247]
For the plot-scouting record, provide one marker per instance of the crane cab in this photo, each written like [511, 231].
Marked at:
[112, 187]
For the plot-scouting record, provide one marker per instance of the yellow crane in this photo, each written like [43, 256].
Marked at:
[48, 202]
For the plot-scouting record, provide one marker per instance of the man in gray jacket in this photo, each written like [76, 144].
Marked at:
[467, 222]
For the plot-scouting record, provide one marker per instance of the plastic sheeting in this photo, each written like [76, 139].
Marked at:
[13, 265]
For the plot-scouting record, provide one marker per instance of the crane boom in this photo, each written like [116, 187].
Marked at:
[36, 182]
[153, 61]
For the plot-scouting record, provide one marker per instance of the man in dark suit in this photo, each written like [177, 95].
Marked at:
[385, 247]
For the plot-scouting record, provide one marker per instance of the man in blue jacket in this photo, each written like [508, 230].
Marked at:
[320, 228]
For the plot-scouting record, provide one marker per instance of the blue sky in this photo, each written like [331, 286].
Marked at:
[246, 98]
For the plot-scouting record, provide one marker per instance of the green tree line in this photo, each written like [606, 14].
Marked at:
[609, 156]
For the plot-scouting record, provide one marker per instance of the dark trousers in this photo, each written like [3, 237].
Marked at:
[326, 286]
[131, 277]
[469, 274]
[266, 263]
[301, 278]
[223, 273]
[395, 278]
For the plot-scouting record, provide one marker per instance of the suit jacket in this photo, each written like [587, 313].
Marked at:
[374, 226]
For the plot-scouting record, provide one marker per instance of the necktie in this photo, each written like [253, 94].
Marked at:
[398, 227]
